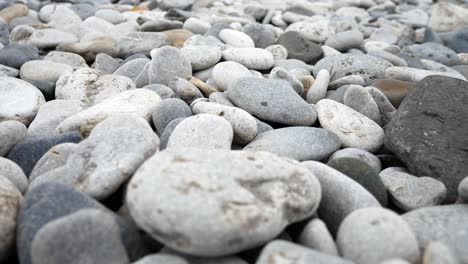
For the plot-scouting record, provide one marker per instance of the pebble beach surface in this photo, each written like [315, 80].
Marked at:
[233, 132]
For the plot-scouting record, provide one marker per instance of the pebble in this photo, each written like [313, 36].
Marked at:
[220, 198]
[370, 235]
[15, 55]
[89, 49]
[435, 52]
[359, 99]
[140, 102]
[71, 59]
[463, 190]
[243, 124]
[279, 52]
[262, 35]
[178, 36]
[12, 172]
[346, 40]
[89, 86]
[442, 223]
[105, 63]
[393, 59]
[186, 90]
[282, 74]
[252, 58]
[157, 25]
[315, 235]
[133, 68]
[387, 110]
[318, 31]
[167, 63]
[287, 252]
[168, 110]
[300, 47]
[197, 26]
[220, 98]
[13, 11]
[415, 75]
[319, 87]
[20, 100]
[364, 156]
[142, 42]
[409, 192]
[236, 38]
[202, 57]
[354, 129]
[41, 38]
[8, 71]
[161, 258]
[112, 16]
[437, 252]
[162, 90]
[394, 90]
[11, 200]
[54, 158]
[203, 131]
[11, 132]
[341, 195]
[271, 100]
[226, 73]
[51, 114]
[299, 143]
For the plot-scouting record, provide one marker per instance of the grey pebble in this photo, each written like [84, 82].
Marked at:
[168, 110]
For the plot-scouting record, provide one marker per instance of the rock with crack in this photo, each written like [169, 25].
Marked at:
[246, 198]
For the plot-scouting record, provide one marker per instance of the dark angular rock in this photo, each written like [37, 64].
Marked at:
[429, 131]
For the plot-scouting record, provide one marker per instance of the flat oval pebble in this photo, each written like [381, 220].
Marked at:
[168, 110]
[226, 73]
[271, 100]
[354, 129]
[299, 143]
[236, 38]
[249, 197]
[364, 156]
[345, 40]
[252, 58]
[202, 57]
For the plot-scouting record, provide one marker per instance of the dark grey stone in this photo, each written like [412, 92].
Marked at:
[262, 35]
[15, 55]
[299, 47]
[168, 110]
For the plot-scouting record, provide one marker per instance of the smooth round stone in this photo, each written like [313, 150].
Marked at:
[291, 64]
[437, 252]
[202, 131]
[20, 100]
[202, 57]
[60, 17]
[434, 51]
[8, 71]
[177, 4]
[133, 68]
[444, 223]
[158, 25]
[346, 40]
[11, 200]
[11, 132]
[368, 67]
[415, 75]
[211, 186]
[89, 86]
[47, 38]
[370, 235]
[252, 58]
[364, 156]
[29, 150]
[54, 158]
[167, 63]
[359, 99]
[113, 161]
[354, 129]
[168, 110]
[166, 134]
[279, 73]
[338, 94]
[112, 16]
[91, 233]
[14, 174]
[142, 42]
[140, 102]
[105, 63]
[409, 192]
[13, 11]
[199, 40]
[315, 235]
[394, 90]
[299, 143]
[300, 47]
[186, 90]
[52, 201]
[220, 98]
[262, 35]
[226, 73]
[89, 49]
[279, 52]
[318, 31]
[271, 100]
[318, 90]
[287, 252]
[463, 190]
[363, 174]
[236, 38]
[341, 195]
[197, 26]
[51, 114]
[71, 59]
[162, 90]
[243, 124]
[346, 80]
[178, 36]
[393, 59]
[43, 74]
[161, 258]
[15, 55]
[455, 40]
[387, 110]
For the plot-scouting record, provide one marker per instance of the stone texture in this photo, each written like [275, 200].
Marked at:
[11, 132]
[167, 63]
[12, 172]
[315, 235]
[10, 203]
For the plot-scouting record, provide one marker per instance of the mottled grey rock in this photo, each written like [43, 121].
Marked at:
[168, 110]
[14, 174]
[434, 51]
[162, 90]
[346, 80]
[142, 42]
[218, 186]
[300, 143]
[167, 63]
[226, 73]
[393, 59]
[47, 38]
[20, 100]
[11, 132]
[55, 157]
[318, 31]
[133, 68]
[445, 223]
[71, 59]
[197, 26]
[203, 131]
[202, 57]
[282, 74]
[186, 90]
[340, 195]
[243, 124]
[89, 234]
[252, 58]
[280, 251]
[409, 192]
[315, 235]
[11, 199]
[364, 156]
[346, 40]
[262, 35]
[15, 55]
[271, 100]
[279, 52]
[359, 99]
[370, 235]
[291, 64]
[354, 129]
